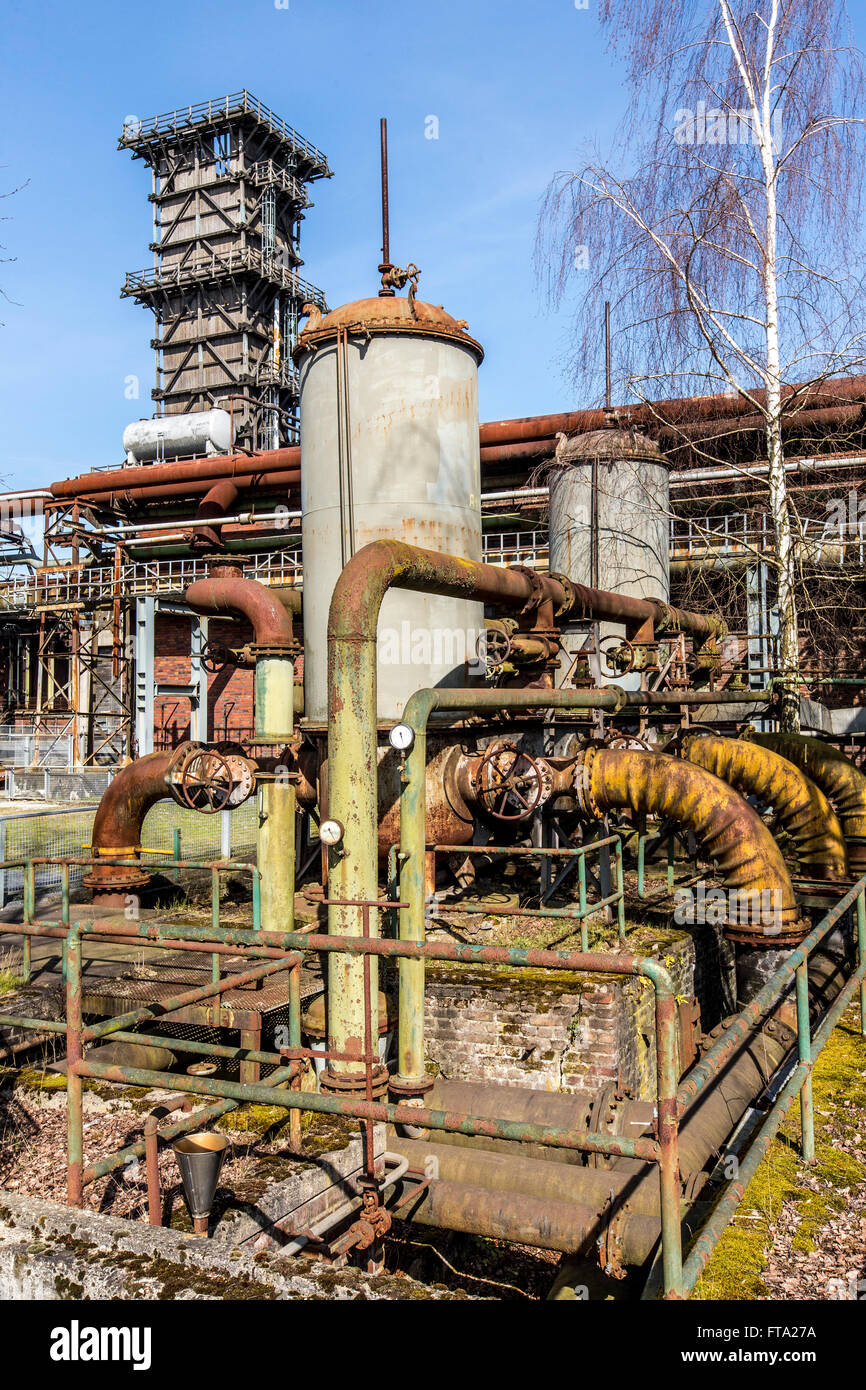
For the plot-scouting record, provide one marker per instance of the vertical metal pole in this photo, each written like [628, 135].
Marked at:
[27, 916]
[215, 921]
[641, 860]
[177, 851]
[668, 1137]
[294, 1042]
[861, 955]
[804, 1052]
[74, 1106]
[386, 212]
[584, 925]
[620, 888]
[412, 921]
[275, 842]
[225, 834]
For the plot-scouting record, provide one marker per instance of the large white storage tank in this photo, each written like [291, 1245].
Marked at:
[178, 436]
[389, 450]
[616, 482]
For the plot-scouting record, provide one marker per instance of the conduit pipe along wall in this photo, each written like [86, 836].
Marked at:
[800, 807]
[228, 592]
[726, 828]
[352, 732]
[117, 826]
[842, 783]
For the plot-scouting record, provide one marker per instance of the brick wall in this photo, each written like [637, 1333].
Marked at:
[567, 1032]
[230, 690]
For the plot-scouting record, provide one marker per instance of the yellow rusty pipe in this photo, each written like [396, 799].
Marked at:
[843, 784]
[800, 807]
[726, 828]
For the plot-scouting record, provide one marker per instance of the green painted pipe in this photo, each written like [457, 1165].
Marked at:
[352, 729]
[275, 841]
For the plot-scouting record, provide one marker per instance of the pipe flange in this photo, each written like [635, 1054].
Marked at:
[791, 937]
[120, 880]
[610, 1243]
[536, 598]
[355, 1083]
[570, 601]
[603, 1119]
[664, 619]
[582, 783]
[262, 650]
[410, 1089]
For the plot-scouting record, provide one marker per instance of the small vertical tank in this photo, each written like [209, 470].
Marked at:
[622, 479]
[389, 449]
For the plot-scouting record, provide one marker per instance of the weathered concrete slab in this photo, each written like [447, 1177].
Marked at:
[48, 1251]
[313, 1189]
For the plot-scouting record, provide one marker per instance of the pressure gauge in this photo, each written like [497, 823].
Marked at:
[330, 832]
[401, 737]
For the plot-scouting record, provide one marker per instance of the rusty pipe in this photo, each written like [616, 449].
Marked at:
[215, 506]
[271, 619]
[842, 783]
[155, 475]
[117, 825]
[727, 829]
[268, 616]
[800, 807]
[151, 1153]
[352, 757]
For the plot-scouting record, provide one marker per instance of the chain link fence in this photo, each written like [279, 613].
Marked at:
[169, 832]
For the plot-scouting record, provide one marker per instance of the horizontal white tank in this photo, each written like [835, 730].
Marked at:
[633, 511]
[178, 436]
[392, 454]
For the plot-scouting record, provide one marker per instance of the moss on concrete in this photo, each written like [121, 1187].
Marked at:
[839, 1087]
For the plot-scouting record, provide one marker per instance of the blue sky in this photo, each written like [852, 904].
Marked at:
[517, 87]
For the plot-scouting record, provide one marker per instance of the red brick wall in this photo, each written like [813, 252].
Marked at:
[230, 690]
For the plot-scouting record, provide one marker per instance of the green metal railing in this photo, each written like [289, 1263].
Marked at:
[273, 952]
[579, 915]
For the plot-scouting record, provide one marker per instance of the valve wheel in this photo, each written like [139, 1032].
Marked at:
[611, 646]
[495, 647]
[509, 783]
[214, 656]
[629, 741]
[206, 782]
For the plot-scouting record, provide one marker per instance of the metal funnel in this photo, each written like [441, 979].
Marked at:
[200, 1159]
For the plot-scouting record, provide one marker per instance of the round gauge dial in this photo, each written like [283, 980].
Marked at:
[330, 832]
[401, 737]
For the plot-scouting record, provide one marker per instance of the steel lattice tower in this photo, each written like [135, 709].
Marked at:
[229, 194]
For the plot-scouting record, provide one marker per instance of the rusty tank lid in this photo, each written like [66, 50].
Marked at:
[384, 314]
[607, 445]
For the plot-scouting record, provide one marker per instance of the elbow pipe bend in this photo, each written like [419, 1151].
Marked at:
[726, 828]
[270, 619]
[117, 825]
[799, 805]
[843, 784]
[215, 506]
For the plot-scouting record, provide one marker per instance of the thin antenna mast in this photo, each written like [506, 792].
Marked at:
[385, 267]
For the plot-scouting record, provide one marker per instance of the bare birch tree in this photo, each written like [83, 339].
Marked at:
[729, 241]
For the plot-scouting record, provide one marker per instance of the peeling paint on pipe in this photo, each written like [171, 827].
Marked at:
[801, 808]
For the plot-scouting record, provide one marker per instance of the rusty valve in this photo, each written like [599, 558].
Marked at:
[372, 1225]
[494, 647]
[215, 655]
[205, 781]
[616, 655]
[509, 784]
